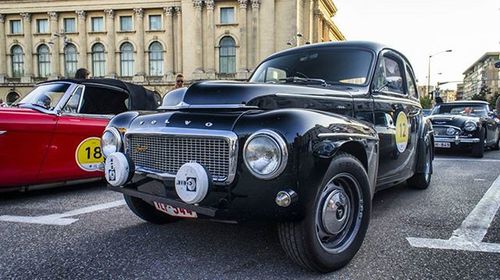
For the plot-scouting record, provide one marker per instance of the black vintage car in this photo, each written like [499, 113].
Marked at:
[467, 124]
[305, 142]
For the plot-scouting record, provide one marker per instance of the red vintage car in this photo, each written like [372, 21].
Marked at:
[52, 136]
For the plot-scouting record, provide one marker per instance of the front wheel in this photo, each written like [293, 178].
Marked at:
[496, 146]
[422, 180]
[478, 148]
[336, 221]
[146, 211]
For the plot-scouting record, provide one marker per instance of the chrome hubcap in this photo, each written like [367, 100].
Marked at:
[336, 212]
[339, 212]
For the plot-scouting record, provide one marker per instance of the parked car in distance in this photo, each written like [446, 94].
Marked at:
[465, 124]
[52, 136]
[305, 143]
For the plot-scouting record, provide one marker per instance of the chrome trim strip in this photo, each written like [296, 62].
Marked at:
[347, 97]
[184, 105]
[2, 132]
[278, 139]
[456, 140]
[348, 135]
[230, 136]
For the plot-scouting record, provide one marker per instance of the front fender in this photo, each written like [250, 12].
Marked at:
[425, 139]
[313, 138]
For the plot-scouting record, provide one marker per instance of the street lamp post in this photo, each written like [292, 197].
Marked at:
[429, 69]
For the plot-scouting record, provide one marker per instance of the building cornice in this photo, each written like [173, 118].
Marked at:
[481, 60]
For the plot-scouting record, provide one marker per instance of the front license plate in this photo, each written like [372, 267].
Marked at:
[174, 211]
[442, 145]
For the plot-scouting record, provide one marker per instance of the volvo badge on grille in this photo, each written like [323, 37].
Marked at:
[141, 149]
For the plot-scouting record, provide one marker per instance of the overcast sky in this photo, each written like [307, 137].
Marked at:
[419, 28]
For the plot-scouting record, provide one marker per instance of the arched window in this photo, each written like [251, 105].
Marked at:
[17, 61]
[127, 60]
[155, 59]
[227, 56]
[70, 60]
[43, 61]
[98, 60]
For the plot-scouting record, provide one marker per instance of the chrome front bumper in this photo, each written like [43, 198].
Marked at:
[456, 139]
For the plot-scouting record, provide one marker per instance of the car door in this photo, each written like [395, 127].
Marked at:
[491, 126]
[75, 147]
[397, 115]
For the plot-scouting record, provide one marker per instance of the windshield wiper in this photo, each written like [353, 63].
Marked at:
[306, 81]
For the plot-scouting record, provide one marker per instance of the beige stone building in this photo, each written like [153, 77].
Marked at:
[149, 42]
[482, 72]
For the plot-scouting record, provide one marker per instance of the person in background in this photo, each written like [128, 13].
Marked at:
[82, 74]
[179, 81]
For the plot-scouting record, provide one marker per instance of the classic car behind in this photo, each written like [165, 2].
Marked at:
[465, 124]
[306, 143]
[52, 136]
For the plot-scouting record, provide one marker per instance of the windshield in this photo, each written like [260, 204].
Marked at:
[45, 96]
[462, 109]
[333, 65]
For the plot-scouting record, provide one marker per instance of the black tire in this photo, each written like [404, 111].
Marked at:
[478, 148]
[422, 180]
[147, 212]
[311, 242]
[496, 146]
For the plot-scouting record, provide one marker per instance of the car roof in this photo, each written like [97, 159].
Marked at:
[462, 102]
[141, 97]
[374, 46]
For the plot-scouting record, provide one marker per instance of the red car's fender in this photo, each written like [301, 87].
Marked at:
[25, 137]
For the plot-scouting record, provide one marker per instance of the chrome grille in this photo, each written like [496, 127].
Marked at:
[442, 130]
[165, 154]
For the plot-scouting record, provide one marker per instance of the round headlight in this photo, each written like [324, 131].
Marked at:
[470, 126]
[265, 154]
[111, 141]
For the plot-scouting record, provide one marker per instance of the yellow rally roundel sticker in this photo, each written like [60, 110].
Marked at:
[89, 156]
[402, 131]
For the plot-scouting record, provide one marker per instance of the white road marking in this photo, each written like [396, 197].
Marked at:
[470, 234]
[467, 159]
[61, 219]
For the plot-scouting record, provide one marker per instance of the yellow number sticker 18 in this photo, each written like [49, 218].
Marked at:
[88, 154]
[402, 131]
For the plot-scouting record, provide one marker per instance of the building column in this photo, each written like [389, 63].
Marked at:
[140, 74]
[178, 40]
[3, 51]
[82, 34]
[209, 52]
[28, 50]
[110, 35]
[254, 52]
[54, 65]
[168, 62]
[316, 36]
[242, 22]
[198, 45]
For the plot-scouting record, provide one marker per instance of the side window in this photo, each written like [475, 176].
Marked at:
[274, 74]
[412, 89]
[389, 76]
[74, 102]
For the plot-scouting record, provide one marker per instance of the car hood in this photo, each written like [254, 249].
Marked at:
[215, 94]
[454, 120]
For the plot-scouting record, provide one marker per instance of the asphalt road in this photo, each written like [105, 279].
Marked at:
[112, 243]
